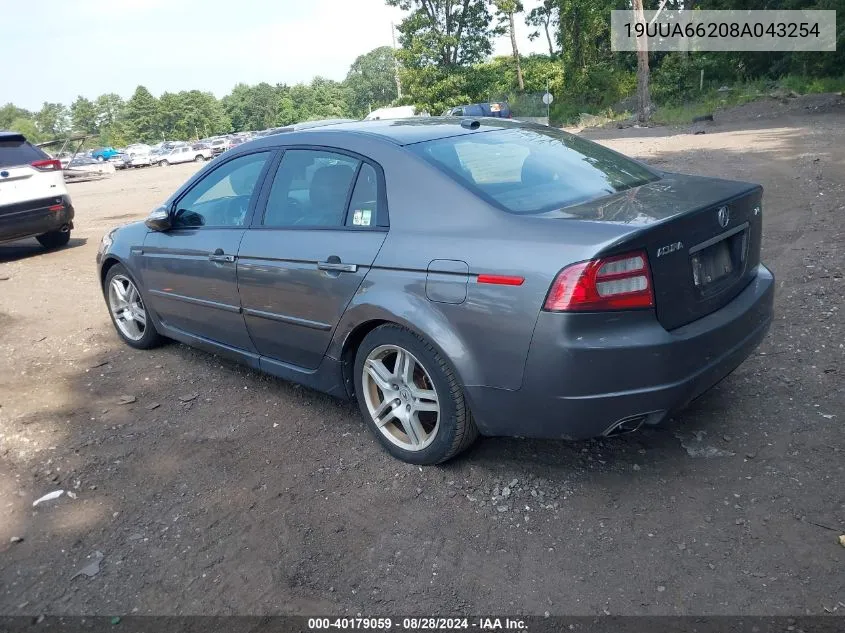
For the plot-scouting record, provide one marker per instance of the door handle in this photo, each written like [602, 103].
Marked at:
[337, 266]
[219, 256]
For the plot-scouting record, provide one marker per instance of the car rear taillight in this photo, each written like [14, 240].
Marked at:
[621, 282]
[47, 165]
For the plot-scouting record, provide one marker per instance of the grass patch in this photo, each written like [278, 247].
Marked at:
[738, 94]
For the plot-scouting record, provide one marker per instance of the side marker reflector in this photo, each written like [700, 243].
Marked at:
[501, 280]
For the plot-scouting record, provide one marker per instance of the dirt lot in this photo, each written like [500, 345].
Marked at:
[219, 490]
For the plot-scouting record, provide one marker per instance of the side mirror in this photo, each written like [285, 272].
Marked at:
[159, 219]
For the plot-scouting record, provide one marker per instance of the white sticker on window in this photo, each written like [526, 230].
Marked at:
[362, 217]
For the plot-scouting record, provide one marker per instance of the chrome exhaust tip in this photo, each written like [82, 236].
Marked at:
[65, 228]
[625, 425]
[633, 423]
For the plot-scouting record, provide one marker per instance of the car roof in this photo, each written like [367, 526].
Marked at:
[416, 129]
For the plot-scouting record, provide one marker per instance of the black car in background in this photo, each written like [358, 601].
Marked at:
[498, 109]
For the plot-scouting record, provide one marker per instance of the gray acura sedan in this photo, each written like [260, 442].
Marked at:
[456, 277]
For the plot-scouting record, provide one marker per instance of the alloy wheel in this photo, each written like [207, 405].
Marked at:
[127, 308]
[400, 397]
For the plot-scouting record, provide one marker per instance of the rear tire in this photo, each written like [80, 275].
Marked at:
[164, 163]
[412, 432]
[54, 239]
[128, 307]
[199, 158]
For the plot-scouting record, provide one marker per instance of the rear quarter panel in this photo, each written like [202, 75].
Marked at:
[487, 336]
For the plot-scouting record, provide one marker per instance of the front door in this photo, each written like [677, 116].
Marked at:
[308, 252]
[189, 270]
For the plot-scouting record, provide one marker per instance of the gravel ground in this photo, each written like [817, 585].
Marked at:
[194, 486]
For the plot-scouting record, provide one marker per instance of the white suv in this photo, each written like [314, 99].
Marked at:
[34, 201]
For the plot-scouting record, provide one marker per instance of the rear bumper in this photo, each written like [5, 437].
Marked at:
[585, 373]
[26, 219]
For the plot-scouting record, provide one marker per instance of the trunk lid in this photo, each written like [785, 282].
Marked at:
[702, 237]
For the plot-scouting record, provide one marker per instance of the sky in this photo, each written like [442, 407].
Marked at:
[91, 47]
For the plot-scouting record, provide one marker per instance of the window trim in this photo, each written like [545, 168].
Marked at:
[382, 217]
[253, 200]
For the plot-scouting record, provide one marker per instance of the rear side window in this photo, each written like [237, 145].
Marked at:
[16, 151]
[311, 188]
[528, 171]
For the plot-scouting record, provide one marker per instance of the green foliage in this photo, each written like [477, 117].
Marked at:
[143, 117]
[83, 115]
[27, 127]
[545, 20]
[713, 99]
[445, 61]
[443, 33]
[10, 113]
[52, 120]
[264, 106]
[371, 81]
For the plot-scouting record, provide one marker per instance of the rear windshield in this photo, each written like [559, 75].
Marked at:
[18, 152]
[528, 171]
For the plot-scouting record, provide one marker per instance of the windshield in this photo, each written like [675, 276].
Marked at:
[529, 171]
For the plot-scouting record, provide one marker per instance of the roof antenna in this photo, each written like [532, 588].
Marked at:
[470, 124]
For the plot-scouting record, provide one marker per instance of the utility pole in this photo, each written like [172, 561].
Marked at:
[395, 62]
[643, 100]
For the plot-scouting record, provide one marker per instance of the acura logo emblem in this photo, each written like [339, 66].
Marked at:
[724, 216]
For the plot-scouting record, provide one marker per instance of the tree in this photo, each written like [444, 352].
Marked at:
[143, 117]
[371, 80]
[52, 119]
[261, 105]
[83, 115]
[27, 127]
[9, 113]
[643, 101]
[506, 10]
[110, 120]
[109, 109]
[444, 33]
[234, 105]
[546, 17]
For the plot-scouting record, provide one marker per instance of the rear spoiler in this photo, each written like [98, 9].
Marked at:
[12, 136]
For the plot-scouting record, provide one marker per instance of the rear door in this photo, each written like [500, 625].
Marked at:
[308, 250]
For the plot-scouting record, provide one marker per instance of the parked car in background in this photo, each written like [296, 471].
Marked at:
[498, 109]
[397, 112]
[157, 153]
[236, 140]
[219, 145]
[139, 155]
[34, 201]
[523, 281]
[118, 160]
[104, 153]
[185, 154]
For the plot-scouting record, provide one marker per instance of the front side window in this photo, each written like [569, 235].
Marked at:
[222, 198]
[528, 171]
[311, 188]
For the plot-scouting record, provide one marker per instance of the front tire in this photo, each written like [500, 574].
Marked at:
[54, 239]
[410, 397]
[164, 163]
[199, 158]
[126, 307]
